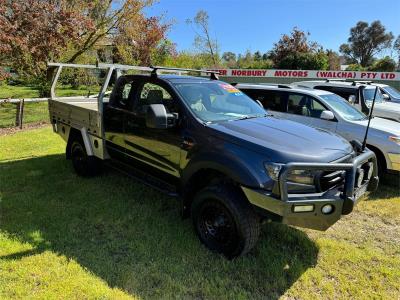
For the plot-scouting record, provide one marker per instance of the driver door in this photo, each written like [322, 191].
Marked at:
[157, 149]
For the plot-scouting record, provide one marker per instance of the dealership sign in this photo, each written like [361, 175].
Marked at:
[308, 74]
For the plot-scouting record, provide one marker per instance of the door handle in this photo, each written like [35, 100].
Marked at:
[187, 143]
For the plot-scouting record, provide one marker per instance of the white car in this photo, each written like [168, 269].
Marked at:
[359, 94]
[331, 112]
[389, 93]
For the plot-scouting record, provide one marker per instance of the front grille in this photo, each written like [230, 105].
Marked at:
[329, 180]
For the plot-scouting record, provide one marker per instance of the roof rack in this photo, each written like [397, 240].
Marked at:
[368, 82]
[304, 86]
[279, 85]
[333, 79]
[213, 74]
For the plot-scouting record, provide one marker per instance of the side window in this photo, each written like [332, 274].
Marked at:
[125, 93]
[154, 94]
[274, 100]
[121, 98]
[345, 93]
[271, 100]
[297, 104]
[316, 108]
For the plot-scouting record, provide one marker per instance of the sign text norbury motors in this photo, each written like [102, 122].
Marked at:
[356, 75]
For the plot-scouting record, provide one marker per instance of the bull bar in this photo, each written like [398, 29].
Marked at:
[343, 201]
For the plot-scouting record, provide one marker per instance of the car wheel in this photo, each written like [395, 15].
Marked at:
[224, 221]
[83, 164]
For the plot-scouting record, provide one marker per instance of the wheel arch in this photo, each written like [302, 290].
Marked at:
[201, 174]
[82, 135]
[379, 156]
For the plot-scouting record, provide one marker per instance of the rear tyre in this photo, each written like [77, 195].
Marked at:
[224, 221]
[83, 164]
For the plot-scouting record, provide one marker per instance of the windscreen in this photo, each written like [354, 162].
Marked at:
[218, 101]
[392, 92]
[343, 108]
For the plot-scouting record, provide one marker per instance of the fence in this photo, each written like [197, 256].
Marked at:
[17, 112]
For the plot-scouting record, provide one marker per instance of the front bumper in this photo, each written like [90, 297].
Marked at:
[395, 161]
[343, 198]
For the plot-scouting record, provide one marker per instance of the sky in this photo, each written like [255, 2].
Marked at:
[241, 25]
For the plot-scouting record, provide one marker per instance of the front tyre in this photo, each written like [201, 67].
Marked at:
[224, 221]
[83, 164]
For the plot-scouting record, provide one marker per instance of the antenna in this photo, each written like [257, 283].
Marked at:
[369, 120]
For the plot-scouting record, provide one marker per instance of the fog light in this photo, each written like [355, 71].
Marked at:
[370, 170]
[360, 177]
[303, 208]
[327, 209]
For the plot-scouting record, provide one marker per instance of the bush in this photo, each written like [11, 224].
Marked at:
[304, 61]
[78, 77]
[355, 67]
[385, 64]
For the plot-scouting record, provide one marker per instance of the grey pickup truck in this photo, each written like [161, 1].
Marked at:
[231, 164]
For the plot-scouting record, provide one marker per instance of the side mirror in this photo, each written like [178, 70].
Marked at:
[327, 115]
[352, 99]
[158, 118]
[386, 97]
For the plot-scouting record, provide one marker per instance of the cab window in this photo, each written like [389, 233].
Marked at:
[122, 95]
[152, 93]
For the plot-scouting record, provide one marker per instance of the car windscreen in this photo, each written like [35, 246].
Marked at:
[343, 108]
[218, 101]
[392, 92]
[369, 93]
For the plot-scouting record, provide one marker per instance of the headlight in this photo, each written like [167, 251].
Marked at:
[273, 170]
[296, 176]
[301, 176]
[395, 139]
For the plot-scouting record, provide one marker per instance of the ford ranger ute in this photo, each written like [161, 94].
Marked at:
[231, 164]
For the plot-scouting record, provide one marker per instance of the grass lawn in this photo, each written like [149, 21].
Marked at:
[36, 112]
[22, 91]
[111, 237]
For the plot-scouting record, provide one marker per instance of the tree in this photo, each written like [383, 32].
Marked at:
[229, 56]
[229, 59]
[333, 60]
[295, 51]
[142, 40]
[355, 67]
[253, 61]
[203, 40]
[385, 64]
[365, 42]
[257, 56]
[108, 16]
[34, 32]
[397, 48]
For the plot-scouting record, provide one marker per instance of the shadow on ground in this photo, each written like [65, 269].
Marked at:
[133, 238]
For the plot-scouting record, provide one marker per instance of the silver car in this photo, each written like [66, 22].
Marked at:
[329, 111]
[359, 94]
